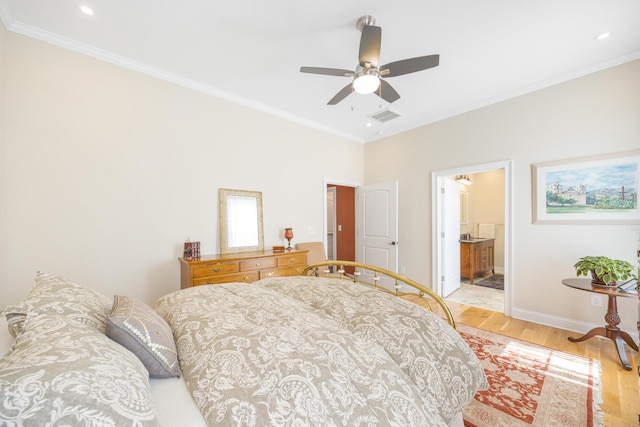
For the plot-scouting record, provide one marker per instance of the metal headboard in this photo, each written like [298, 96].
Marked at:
[336, 269]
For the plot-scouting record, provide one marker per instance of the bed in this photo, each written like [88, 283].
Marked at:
[301, 350]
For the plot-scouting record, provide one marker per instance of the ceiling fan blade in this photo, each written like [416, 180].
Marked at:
[327, 71]
[387, 93]
[411, 65]
[370, 45]
[346, 91]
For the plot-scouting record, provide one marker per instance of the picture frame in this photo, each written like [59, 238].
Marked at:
[600, 189]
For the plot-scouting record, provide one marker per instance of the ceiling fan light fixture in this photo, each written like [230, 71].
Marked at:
[367, 81]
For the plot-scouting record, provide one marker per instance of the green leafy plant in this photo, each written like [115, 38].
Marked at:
[605, 270]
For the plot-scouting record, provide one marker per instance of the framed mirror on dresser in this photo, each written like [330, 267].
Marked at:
[241, 228]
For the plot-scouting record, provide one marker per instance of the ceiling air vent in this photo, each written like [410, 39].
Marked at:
[385, 116]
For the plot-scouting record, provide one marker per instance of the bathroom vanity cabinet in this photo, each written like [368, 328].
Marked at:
[476, 257]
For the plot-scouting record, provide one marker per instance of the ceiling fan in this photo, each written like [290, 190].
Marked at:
[367, 78]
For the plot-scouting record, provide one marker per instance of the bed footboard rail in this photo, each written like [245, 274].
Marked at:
[336, 269]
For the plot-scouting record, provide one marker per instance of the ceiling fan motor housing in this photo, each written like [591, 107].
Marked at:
[365, 20]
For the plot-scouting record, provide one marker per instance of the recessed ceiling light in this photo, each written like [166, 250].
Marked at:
[602, 36]
[368, 124]
[86, 10]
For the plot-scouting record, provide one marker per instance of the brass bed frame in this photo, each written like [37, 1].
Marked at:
[336, 269]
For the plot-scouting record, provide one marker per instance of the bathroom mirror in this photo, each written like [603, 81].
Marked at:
[240, 221]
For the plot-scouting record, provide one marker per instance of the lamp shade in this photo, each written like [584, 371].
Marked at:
[367, 82]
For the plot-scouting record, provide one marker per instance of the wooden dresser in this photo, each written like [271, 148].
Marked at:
[476, 256]
[241, 267]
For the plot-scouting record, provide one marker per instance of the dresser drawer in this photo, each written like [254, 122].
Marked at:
[248, 277]
[215, 269]
[282, 271]
[257, 264]
[272, 272]
[292, 259]
[291, 271]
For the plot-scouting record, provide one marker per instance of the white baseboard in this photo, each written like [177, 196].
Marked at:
[561, 322]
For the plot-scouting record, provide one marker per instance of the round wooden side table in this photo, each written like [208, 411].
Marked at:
[612, 318]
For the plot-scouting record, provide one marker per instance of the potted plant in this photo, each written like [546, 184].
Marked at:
[603, 270]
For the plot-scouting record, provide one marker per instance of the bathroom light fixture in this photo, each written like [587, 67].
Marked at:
[602, 36]
[464, 180]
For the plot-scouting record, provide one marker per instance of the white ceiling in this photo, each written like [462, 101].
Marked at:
[251, 51]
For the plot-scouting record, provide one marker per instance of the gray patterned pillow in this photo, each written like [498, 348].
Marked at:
[57, 295]
[16, 315]
[61, 372]
[137, 327]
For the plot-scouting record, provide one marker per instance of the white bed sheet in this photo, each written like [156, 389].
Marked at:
[174, 405]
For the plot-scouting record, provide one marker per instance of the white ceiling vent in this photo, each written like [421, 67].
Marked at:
[385, 116]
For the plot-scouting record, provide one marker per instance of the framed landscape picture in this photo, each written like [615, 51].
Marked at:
[588, 190]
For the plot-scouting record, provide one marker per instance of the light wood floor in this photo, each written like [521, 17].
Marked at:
[620, 388]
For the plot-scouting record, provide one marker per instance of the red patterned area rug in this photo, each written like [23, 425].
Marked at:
[531, 385]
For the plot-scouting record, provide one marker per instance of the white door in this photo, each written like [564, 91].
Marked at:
[450, 238]
[377, 225]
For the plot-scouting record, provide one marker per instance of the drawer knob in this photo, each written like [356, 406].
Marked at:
[292, 260]
[217, 269]
[269, 274]
[258, 264]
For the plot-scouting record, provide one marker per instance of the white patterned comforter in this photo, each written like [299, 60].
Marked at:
[318, 351]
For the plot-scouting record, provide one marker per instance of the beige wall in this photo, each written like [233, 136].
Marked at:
[110, 170]
[591, 115]
[3, 163]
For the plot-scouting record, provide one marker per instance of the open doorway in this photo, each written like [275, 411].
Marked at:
[331, 222]
[483, 217]
[341, 222]
[339, 218]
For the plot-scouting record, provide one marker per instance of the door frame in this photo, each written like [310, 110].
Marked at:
[436, 212]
